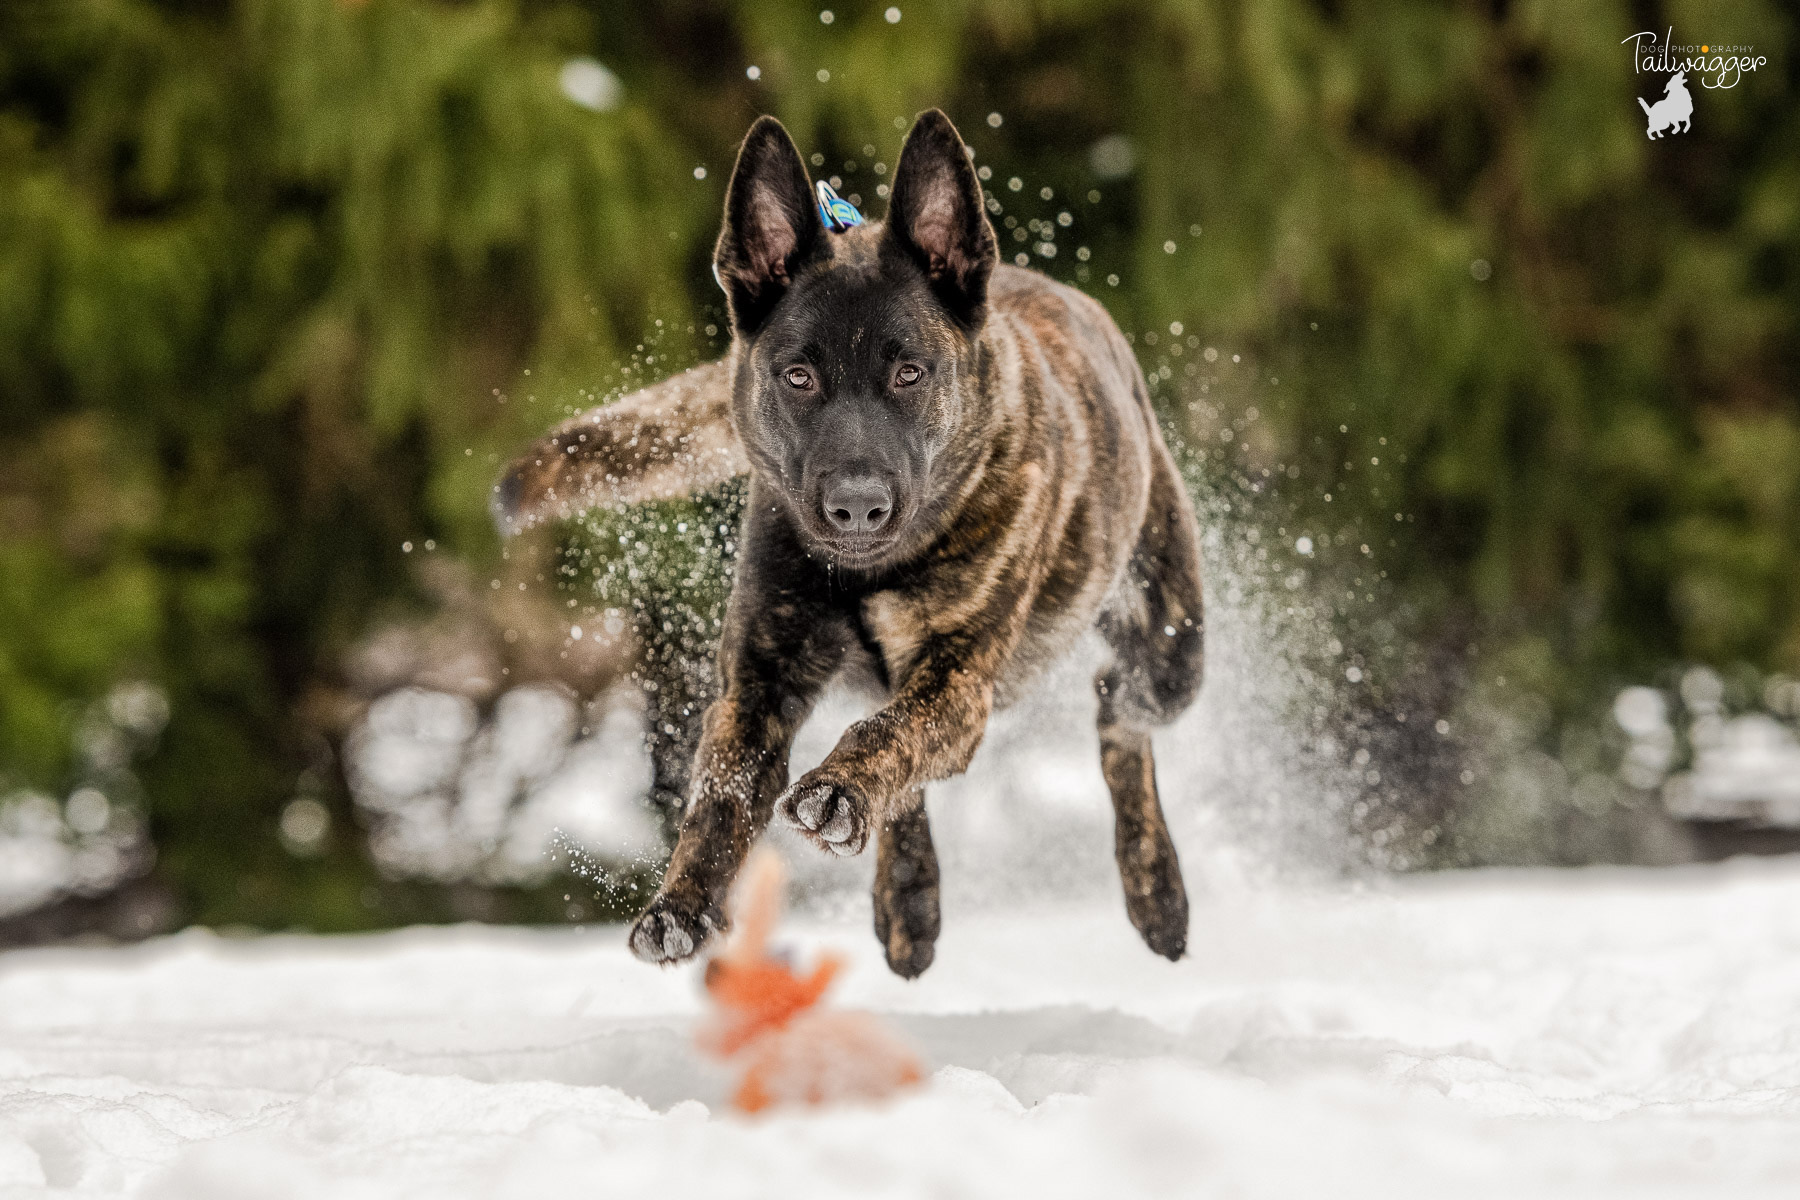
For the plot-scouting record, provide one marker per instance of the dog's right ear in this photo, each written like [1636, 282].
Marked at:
[772, 226]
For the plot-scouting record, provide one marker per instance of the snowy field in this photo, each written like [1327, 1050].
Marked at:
[1597, 1033]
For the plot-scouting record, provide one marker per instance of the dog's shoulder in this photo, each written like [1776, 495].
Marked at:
[1070, 329]
[1025, 292]
[1051, 313]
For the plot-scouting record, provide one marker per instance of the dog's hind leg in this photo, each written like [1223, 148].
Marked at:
[1153, 626]
[906, 887]
[1155, 898]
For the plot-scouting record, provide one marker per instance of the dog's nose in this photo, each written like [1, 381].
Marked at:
[859, 504]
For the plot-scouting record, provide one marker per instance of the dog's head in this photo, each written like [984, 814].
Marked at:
[1677, 82]
[855, 350]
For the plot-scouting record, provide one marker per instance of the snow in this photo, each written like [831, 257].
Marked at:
[1593, 1033]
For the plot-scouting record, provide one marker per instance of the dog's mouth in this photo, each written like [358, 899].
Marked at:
[859, 550]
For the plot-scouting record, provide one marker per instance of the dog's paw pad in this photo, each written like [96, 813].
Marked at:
[809, 807]
[828, 815]
[665, 934]
[839, 829]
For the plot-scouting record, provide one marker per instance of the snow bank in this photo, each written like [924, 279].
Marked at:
[1595, 1034]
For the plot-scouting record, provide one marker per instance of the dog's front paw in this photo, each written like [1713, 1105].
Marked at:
[670, 930]
[831, 814]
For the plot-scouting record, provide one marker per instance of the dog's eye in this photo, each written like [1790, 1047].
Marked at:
[908, 374]
[798, 377]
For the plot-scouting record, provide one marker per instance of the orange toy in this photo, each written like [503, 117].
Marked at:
[791, 1052]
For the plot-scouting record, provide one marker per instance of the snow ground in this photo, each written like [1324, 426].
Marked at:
[1594, 1033]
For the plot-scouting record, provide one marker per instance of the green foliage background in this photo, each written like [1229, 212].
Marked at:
[271, 273]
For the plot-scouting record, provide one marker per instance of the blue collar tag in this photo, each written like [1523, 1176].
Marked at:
[837, 213]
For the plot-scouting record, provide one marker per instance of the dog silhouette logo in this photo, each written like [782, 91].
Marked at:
[1675, 111]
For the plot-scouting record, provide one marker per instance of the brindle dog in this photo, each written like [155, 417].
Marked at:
[954, 470]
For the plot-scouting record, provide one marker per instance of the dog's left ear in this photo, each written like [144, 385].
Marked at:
[937, 216]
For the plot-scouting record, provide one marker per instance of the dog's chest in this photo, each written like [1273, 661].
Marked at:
[896, 626]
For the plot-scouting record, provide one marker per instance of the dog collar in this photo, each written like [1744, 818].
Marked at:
[837, 213]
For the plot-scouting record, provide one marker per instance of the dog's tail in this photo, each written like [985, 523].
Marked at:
[1643, 106]
[669, 440]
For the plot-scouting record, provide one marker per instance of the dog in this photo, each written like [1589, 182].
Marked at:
[954, 470]
[1675, 108]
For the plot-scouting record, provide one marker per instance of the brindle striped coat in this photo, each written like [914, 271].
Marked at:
[954, 470]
